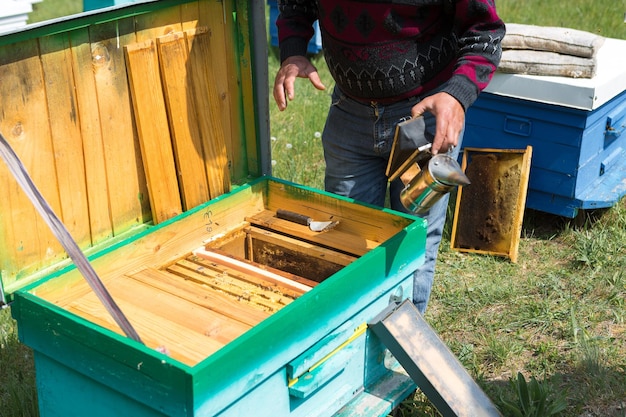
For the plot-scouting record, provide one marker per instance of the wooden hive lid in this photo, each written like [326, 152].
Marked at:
[125, 118]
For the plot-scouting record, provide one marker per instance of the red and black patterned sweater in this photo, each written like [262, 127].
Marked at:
[390, 50]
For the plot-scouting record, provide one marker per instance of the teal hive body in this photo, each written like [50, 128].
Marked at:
[313, 357]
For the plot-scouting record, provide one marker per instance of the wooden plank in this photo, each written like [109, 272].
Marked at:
[375, 225]
[186, 140]
[336, 238]
[91, 313]
[149, 26]
[214, 15]
[56, 61]
[207, 106]
[93, 147]
[189, 15]
[125, 175]
[241, 54]
[153, 130]
[200, 295]
[282, 286]
[26, 243]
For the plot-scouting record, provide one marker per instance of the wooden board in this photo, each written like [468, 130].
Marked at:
[216, 16]
[56, 60]
[28, 244]
[153, 129]
[87, 112]
[207, 106]
[128, 199]
[186, 139]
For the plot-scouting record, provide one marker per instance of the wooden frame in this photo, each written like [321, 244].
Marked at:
[489, 212]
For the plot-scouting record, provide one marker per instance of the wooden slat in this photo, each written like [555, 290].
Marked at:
[26, 243]
[246, 282]
[153, 129]
[200, 295]
[213, 14]
[241, 54]
[186, 140]
[226, 284]
[93, 147]
[128, 198]
[56, 60]
[207, 106]
[189, 15]
[335, 238]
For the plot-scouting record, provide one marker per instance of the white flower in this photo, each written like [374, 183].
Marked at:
[273, 139]
[317, 135]
[289, 146]
[273, 162]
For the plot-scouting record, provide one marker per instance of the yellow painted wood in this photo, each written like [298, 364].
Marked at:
[88, 116]
[153, 130]
[128, 193]
[207, 106]
[56, 61]
[26, 243]
[186, 139]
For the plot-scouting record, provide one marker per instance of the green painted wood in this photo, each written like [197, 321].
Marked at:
[89, 397]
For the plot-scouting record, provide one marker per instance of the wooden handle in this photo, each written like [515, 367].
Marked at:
[293, 217]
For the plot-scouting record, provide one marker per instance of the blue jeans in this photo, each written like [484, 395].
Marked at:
[357, 143]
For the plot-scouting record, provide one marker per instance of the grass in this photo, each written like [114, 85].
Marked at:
[557, 317]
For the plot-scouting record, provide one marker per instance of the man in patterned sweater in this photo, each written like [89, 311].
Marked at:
[390, 59]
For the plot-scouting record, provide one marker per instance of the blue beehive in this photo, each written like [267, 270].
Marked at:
[574, 126]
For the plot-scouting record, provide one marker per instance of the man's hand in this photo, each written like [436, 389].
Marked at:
[292, 68]
[450, 118]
